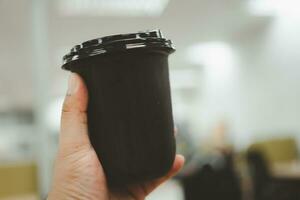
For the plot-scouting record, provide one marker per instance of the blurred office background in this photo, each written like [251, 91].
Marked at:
[235, 81]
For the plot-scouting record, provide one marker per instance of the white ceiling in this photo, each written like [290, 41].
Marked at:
[185, 22]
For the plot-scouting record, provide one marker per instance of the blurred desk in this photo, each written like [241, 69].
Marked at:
[23, 197]
[18, 179]
[286, 170]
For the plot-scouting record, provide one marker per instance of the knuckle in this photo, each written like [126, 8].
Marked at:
[72, 109]
[77, 116]
[71, 114]
[67, 105]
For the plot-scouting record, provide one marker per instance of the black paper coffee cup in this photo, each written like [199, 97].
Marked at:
[130, 119]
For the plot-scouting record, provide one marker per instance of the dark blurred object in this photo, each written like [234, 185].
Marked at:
[213, 184]
[267, 187]
[259, 172]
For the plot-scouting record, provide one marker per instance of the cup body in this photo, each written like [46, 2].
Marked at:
[129, 112]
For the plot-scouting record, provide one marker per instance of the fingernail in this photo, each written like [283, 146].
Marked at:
[72, 85]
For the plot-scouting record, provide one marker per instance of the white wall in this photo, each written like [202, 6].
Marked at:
[259, 96]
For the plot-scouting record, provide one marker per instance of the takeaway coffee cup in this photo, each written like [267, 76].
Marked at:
[130, 119]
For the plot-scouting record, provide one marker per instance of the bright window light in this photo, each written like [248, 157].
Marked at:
[274, 7]
[261, 7]
[218, 61]
[113, 7]
[211, 54]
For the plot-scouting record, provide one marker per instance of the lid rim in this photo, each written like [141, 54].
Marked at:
[164, 50]
[121, 42]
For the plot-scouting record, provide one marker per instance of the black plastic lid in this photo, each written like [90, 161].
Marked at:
[147, 39]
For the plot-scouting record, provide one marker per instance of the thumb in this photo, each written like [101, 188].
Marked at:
[74, 133]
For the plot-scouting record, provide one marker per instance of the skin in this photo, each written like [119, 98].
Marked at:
[78, 174]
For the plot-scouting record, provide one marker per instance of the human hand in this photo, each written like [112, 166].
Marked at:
[78, 173]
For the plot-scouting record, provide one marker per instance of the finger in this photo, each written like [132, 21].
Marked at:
[73, 134]
[177, 165]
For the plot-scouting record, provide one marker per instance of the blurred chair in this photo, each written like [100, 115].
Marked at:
[18, 179]
[267, 187]
[209, 183]
[229, 182]
[277, 150]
